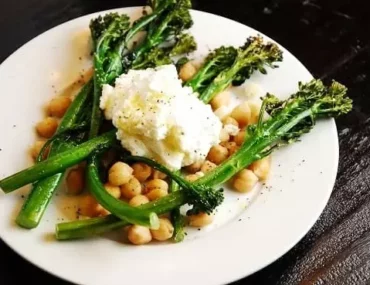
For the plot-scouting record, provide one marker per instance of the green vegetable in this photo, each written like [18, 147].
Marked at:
[57, 163]
[202, 197]
[108, 34]
[288, 121]
[217, 61]
[153, 58]
[36, 203]
[169, 25]
[96, 226]
[184, 43]
[161, 56]
[117, 207]
[177, 219]
[111, 35]
[253, 55]
[158, 7]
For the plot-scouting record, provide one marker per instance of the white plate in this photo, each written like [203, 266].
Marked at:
[241, 241]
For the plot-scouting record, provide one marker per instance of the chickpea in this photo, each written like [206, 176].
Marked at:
[47, 127]
[75, 181]
[242, 114]
[230, 121]
[89, 207]
[224, 136]
[231, 147]
[159, 175]
[35, 150]
[165, 230]
[139, 235]
[131, 188]
[120, 173]
[217, 154]
[194, 177]
[138, 200]
[200, 220]
[261, 168]
[195, 167]
[187, 71]
[222, 112]
[102, 211]
[58, 106]
[156, 194]
[207, 166]
[156, 189]
[221, 99]
[244, 181]
[115, 191]
[240, 137]
[156, 184]
[255, 112]
[141, 171]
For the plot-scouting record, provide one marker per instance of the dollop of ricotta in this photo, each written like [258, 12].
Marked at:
[158, 118]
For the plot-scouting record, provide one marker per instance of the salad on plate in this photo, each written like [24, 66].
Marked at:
[152, 138]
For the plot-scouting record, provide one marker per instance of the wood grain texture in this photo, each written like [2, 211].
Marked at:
[332, 40]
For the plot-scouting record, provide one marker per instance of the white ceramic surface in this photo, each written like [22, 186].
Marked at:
[250, 231]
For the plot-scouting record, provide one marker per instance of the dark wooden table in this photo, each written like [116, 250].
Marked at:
[332, 38]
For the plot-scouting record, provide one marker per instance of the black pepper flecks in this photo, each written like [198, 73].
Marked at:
[240, 220]
[14, 126]
[198, 229]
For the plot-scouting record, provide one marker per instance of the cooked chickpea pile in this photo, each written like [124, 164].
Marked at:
[241, 116]
[46, 128]
[138, 184]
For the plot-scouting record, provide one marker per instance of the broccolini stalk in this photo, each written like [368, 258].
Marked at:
[202, 197]
[41, 193]
[117, 207]
[177, 219]
[220, 59]
[96, 226]
[254, 55]
[161, 56]
[111, 35]
[288, 121]
[108, 34]
[158, 7]
[170, 24]
[57, 163]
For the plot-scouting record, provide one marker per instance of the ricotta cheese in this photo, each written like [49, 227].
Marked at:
[158, 118]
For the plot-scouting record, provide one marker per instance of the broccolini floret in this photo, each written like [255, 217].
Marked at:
[253, 55]
[158, 56]
[217, 61]
[169, 25]
[289, 120]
